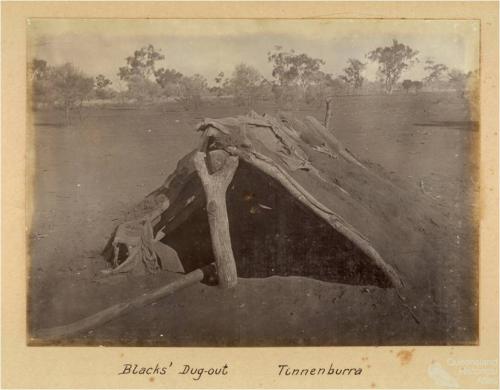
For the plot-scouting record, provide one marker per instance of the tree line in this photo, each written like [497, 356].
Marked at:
[296, 78]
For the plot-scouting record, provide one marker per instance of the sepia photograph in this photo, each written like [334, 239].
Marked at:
[253, 182]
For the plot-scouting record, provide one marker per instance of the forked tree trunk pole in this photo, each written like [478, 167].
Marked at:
[119, 309]
[215, 186]
[329, 113]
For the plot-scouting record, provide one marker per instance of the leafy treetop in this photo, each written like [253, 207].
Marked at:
[290, 68]
[352, 74]
[392, 60]
[435, 71]
[142, 63]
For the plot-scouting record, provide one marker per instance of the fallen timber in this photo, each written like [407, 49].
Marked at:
[104, 316]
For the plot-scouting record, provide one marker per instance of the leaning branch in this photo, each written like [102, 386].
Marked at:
[106, 315]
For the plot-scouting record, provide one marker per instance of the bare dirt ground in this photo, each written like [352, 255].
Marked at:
[89, 174]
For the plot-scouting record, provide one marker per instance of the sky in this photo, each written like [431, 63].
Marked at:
[209, 46]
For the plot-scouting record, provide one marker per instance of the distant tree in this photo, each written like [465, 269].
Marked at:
[102, 81]
[474, 86]
[219, 83]
[434, 71]
[191, 91]
[140, 72]
[392, 61]
[320, 87]
[102, 87]
[39, 69]
[39, 72]
[458, 81]
[245, 84]
[407, 84]
[142, 90]
[266, 90]
[218, 79]
[71, 87]
[418, 85]
[141, 63]
[466, 85]
[168, 80]
[352, 74]
[291, 69]
[337, 86]
[373, 86]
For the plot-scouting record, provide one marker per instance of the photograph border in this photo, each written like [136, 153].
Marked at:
[93, 367]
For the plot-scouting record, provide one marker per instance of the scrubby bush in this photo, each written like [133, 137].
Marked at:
[103, 89]
[246, 85]
[191, 91]
[63, 86]
[142, 90]
[353, 73]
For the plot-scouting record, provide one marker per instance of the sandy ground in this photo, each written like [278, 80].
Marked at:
[89, 174]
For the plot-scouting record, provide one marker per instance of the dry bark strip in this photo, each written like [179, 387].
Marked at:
[215, 185]
[332, 141]
[106, 315]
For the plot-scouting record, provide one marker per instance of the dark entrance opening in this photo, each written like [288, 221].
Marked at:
[272, 233]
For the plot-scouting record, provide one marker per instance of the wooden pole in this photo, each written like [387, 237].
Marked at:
[328, 114]
[120, 309]
[215, 185]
